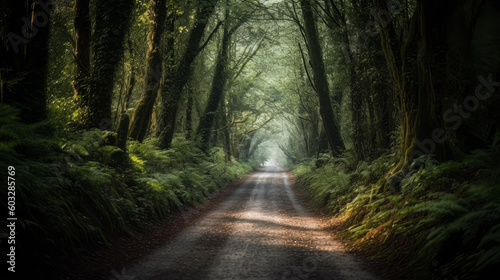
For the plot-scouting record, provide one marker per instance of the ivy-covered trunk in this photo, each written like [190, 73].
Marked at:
[142, 114]
[422, 82]
[112, 19]
[189, 116]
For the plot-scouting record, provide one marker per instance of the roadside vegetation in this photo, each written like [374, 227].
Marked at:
[81, 191]
[430, 221]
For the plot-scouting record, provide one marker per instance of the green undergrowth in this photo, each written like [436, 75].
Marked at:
[431, 221]
[81, 191]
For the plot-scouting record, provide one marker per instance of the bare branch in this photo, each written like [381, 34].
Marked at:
[305, 67]
[249, 57]
[210, 37]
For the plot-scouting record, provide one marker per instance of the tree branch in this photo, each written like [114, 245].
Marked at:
[209, 37]
[305, 67]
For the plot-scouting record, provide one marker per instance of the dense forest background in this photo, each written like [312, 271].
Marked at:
[115, 114]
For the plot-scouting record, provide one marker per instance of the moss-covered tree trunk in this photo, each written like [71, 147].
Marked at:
[142, 115]
[330, 125]
[169, 68]
[226, 134]
[204, 131]
[112, 19]
[419, 76]
[81, 24]
[358, 92]
[395, 55]
[24, 31]
[189, 116]
[172, 92]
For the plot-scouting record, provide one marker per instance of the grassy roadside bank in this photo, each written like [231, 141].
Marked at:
[431, 221]
[81, 191]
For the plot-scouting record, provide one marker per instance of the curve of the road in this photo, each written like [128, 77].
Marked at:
[260, 232]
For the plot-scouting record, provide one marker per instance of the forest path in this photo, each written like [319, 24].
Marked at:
[261, 231]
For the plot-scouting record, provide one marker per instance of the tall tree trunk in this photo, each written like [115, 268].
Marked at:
[356, 93]
[189, 116]
[418, 77]
[304, 130]
[112, 20]
[142, 114]
[315, 131]
[227, 135]
[322, 141]
[385, 108]
[169, 68]
[82, 47]
[205, 127]
[320, 81]
[394, 55]
[24, 31]
[172, 92]
[125, 94]
[244, 154]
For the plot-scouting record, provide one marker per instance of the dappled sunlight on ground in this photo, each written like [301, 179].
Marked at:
[260, 232]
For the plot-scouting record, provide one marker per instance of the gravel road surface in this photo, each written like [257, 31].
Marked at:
[261, 231]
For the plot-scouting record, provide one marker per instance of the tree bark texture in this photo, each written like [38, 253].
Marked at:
[420, 80]
[205, 127]
[142, 115]
[112, 20]
[173, 87]
[321, 83]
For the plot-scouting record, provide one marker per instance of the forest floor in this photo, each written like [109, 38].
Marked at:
[259, 227]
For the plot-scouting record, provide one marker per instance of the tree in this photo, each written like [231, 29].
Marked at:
[24, 29]
[171, 95]
[362, 75]
[422, 82]
[216, 96]
[82, 47]
[112, 20]
[142, 114]
[320, 81]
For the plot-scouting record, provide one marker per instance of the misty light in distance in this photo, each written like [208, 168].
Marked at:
[270, 2]
[271, 162]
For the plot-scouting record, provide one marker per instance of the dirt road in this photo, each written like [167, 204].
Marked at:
[260, 232]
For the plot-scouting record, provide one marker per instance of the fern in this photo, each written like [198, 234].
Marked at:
[448, 213]
[490, 244]
[8, 123]
[74, 195]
